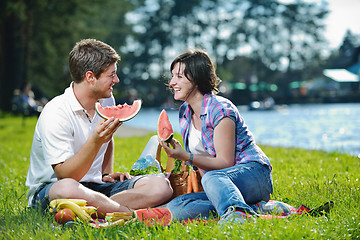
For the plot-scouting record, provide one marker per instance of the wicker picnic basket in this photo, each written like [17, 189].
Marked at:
[178, 181]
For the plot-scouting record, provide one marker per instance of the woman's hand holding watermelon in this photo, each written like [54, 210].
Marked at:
[176, 152]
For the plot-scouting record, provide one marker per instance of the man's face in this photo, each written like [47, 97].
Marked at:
[103, 85]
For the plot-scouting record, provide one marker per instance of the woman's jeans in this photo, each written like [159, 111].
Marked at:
[236, 187]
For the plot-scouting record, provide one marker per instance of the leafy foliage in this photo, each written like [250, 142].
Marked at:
[148, 170]
[275, 37]
[177, 166]
[41, 33]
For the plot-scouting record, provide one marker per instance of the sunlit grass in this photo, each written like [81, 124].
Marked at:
[300, 177]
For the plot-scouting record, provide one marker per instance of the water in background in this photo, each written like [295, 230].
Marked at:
[329, 127]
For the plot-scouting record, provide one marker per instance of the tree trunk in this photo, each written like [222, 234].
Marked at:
[11, 60]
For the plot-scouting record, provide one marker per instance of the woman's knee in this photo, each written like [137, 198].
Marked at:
[209, 177]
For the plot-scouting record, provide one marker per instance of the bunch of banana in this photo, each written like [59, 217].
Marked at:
[89, 209]
[78, 206]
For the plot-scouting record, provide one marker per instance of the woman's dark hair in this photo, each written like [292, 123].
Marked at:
[199, 69]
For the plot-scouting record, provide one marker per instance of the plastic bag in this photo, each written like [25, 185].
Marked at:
[145, 165]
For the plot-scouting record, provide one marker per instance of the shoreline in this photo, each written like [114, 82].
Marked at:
[125, 131]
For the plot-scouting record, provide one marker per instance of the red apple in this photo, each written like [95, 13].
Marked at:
[64, 215]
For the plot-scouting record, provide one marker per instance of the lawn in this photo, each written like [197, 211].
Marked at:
[300, 177]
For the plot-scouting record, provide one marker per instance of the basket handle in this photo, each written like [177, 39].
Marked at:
[170, 161]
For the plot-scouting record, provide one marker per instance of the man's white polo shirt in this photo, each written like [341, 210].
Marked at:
[62, 129]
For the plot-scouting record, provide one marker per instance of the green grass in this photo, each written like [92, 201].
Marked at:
[300, 177]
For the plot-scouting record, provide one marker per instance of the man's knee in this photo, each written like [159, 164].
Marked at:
[157, 185]
[64, 188]
[164, 186]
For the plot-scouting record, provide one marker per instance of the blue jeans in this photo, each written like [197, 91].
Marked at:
[236, 187]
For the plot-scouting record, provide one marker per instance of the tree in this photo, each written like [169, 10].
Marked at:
[283, 37]
[37, 35]
[146, 49]
[288, 37]
[12, 16]
[344, 57]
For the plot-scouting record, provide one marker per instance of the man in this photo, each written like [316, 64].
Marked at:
[72, 152]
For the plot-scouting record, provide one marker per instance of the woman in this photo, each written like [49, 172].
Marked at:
[216, 139]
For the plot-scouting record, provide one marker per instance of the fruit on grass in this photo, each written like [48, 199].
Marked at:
[164, 128]
[78, 211]
[77, 206]
[115, 216]
[55, 202]
[89, 209]
[122, 112]
[154, 216]
[64, 215]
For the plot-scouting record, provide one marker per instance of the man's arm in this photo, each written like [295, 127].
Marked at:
[108, 163]
[78, 165]
[108, 166]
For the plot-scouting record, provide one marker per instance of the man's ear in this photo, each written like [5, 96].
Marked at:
[90, 77]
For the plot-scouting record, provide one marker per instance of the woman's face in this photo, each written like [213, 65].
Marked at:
[180, 83]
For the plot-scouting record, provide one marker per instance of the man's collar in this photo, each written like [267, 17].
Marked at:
[70, 95]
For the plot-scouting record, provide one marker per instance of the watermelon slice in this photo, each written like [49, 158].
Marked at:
[122, 112]
[164, 128]
[154, 216]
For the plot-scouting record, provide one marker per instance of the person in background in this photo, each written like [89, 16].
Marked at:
[24, 102]
[72, 153]
[237, 173]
